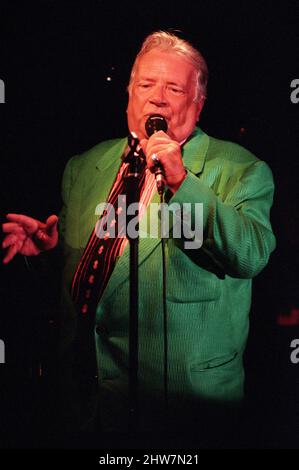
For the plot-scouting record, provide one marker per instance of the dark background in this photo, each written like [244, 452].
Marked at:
[55, 60]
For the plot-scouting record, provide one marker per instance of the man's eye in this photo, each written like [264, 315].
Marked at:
[144, 85]
[177, 91]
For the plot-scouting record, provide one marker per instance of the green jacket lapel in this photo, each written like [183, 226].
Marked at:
[100, 177]
[195, 151]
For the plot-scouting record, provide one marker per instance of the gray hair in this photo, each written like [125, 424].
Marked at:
[169, 42]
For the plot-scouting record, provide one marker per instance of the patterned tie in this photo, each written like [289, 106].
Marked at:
[103, 248]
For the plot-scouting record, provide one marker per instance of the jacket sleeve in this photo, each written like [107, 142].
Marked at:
[237, 234]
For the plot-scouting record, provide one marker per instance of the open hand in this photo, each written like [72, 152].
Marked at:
[28, 236]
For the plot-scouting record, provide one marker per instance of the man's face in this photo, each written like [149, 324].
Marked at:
[164, 83]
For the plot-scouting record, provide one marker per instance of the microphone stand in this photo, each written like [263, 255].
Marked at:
[136, 162]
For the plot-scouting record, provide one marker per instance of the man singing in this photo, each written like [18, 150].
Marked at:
[208, 288]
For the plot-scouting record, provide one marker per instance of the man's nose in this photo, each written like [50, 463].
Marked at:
[158, 97]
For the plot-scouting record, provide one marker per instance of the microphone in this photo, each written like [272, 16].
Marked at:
[156, 123]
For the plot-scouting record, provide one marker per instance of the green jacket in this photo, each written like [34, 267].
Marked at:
[208, 289]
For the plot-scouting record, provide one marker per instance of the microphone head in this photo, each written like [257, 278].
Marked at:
[155, 123]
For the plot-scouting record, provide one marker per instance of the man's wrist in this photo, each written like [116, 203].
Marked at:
[174, 187]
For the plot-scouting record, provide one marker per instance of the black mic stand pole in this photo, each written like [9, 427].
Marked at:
[136, 162]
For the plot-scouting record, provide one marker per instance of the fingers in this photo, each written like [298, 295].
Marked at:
[9, 240]
[153, 161]
[46, 237]
[150, 161]
[143, 144]
[51, 223]
[12, 227]
[52, 231]
[167, 155]
[14, 242]
[11, 252]
[161, 150]
[156, 139]
[40, 236]
[28, 223]
[28, 236]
